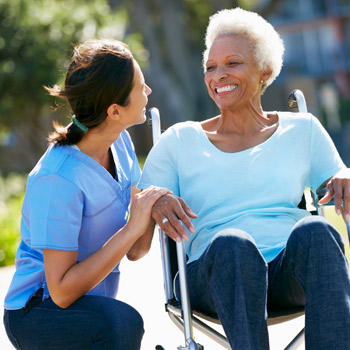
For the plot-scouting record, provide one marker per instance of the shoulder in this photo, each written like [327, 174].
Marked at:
[57, 167]
[301, 126]
[51, 162]
[182, 130]
[290, 117]
[302, 121]
[298, 118]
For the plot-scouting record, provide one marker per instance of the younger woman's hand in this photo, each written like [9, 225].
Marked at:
[141, 208]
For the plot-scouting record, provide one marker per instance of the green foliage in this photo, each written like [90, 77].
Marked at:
[36, 40]
[141, 160]
[11, 197]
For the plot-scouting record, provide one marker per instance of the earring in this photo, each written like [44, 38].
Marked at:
[261, 81]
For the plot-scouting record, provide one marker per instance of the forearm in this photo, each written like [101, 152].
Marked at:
[83, 276]
[68, 280]
[142, 246]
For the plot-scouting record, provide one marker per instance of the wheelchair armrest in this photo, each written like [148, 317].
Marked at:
[319, 194]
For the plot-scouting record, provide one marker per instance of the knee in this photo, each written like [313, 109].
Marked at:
[132, 322]
[233, 244]
[315, 232]
[121, 324]
[232, 239]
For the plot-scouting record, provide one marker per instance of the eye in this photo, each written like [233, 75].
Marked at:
[209, 68]
[233, 63]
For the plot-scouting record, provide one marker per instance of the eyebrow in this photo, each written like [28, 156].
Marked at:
[229, 56]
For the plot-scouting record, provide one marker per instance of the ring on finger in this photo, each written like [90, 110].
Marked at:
[165, 220]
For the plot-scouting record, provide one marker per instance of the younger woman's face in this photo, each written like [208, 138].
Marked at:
[134, 112]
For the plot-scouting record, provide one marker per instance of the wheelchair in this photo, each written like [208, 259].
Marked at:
[174, 261]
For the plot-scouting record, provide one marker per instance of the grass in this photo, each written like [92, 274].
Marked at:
[11, 197]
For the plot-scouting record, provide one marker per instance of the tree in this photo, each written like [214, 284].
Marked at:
[173, 33]
[36, 40]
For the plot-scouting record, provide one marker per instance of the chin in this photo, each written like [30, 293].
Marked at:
[142, 119]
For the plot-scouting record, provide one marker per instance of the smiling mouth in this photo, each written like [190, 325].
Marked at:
[227, 88]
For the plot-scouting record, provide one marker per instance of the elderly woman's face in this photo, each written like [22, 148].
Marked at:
[232, 74]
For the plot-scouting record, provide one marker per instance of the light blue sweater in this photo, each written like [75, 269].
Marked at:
[256, 190]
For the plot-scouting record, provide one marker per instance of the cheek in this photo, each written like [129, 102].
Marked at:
[207, 84]
[145, 100]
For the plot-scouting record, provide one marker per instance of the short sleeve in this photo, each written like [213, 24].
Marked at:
[135, 171]
[128, 158]
[160, 168]
[325, 159]
[55, 213]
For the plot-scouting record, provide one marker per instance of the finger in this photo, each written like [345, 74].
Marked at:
[171, 207]
[177, 226]
[327, 197]
[172, 226]
[185, 221]
[346, 203]
[155, 189]
[170, 230]
[151, 195]
[187, 209]
[338, 196]
[166, 226]
[154, 196]
[328, 193]
[182, 215]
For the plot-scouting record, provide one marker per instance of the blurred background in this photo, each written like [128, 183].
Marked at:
[167, 39]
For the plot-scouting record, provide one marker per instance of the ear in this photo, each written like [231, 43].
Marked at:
[266, 73]
[113, 111]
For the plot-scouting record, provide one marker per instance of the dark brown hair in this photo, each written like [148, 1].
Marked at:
[100, 73]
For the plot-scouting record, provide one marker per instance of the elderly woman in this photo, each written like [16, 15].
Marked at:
[243, 174]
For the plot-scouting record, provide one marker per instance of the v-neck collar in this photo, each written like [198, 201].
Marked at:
[117, 186]
[118, 170]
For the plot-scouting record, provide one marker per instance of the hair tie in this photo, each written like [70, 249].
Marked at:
[82, 127]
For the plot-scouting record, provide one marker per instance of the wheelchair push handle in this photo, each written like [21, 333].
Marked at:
[154, 121]
[296, 99]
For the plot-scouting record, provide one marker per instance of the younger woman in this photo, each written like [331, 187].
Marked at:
[74, 228]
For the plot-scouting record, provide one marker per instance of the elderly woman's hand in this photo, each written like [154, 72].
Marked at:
[168, 212]
[339, 186]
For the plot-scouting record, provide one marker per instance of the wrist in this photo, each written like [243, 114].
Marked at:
[131, 230]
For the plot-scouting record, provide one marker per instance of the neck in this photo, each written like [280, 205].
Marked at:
[96, 143]
[244, 120]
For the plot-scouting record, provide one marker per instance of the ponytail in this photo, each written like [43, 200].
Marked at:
[63, 135]
[101, 73]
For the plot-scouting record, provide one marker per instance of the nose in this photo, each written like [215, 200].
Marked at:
[220, 74]
[148, 90]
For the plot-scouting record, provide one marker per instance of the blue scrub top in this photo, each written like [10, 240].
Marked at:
[71, 203]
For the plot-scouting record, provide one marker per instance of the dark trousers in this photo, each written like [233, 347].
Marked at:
[233, 281]
[92, 322]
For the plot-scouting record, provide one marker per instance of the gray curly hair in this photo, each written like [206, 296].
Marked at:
[268, 45]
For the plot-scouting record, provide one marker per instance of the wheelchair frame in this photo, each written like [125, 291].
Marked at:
[181, 314]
